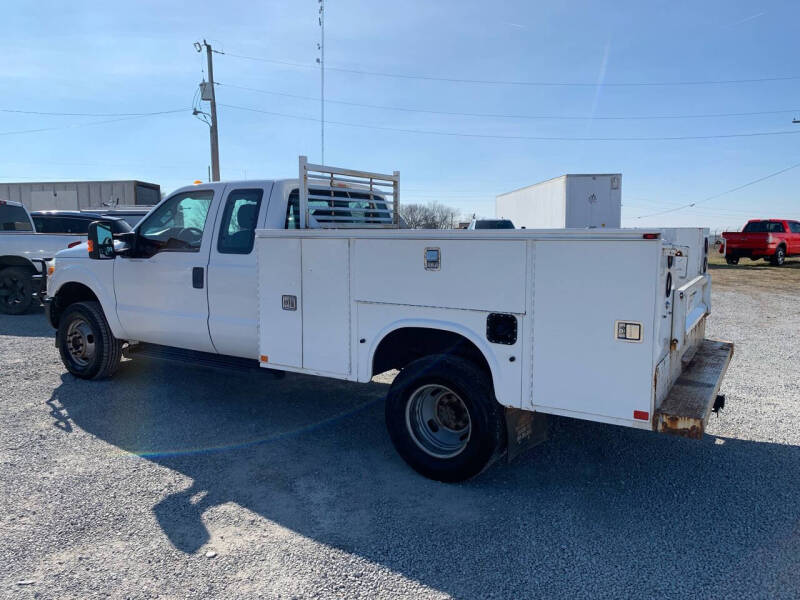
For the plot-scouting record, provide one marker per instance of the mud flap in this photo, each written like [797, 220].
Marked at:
[525, 430]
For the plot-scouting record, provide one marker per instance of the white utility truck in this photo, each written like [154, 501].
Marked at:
[23, 257]
[490, 330]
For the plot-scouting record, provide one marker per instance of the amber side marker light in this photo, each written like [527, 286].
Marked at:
[51, 269]
[90, 244]
[264, 358]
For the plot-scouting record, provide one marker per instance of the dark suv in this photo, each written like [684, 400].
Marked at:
[73, 221]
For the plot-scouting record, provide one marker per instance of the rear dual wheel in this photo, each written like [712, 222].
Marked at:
[443, 418]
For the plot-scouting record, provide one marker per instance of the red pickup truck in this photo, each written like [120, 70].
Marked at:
[770, 239]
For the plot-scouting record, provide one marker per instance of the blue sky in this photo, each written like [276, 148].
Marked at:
[137, 57]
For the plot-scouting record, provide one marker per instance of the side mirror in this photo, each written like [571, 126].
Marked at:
[101, 240]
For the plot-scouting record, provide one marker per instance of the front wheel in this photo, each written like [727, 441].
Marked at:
[16, 290]
[779, 257]
[88, 348]
[443, 418]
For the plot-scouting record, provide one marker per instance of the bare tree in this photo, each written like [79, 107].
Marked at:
[429, 216]
[414, 215]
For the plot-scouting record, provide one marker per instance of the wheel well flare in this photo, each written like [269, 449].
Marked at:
[405, 345]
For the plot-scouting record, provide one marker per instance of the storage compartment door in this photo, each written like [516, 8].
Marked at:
[326, 306]
[593, 315]
[280, 325]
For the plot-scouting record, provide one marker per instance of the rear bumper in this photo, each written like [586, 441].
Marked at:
[760, 251]
[688, 405]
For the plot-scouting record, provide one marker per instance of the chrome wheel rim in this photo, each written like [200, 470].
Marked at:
[80, 341]
[438, 421]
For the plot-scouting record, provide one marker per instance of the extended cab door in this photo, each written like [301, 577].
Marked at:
[161, 290]
[232, 273]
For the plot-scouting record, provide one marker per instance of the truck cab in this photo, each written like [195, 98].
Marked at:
[185, 275]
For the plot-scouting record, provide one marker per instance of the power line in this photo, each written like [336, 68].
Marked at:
[73, 114]
[522, 137]
[103, 122]
[518, 82]
[515, 116]
[730, 191]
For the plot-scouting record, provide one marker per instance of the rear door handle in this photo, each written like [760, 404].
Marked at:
[197, 278]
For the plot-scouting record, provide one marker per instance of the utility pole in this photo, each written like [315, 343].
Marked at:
[212, 97]
[321, 62]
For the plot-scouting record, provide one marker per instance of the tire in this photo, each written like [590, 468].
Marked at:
[428, 405]
[16, 290]
[732, 260]
[779, 257]
[88, 348]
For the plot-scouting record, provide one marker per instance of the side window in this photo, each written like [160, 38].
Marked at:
[293, 211]
[75, 225]
[794, 226]
[238, 227]
[776, 227]
[178, 224]
[14, 218]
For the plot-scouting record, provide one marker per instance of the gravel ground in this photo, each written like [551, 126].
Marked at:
[172, 482]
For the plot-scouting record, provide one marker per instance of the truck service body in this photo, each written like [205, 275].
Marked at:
[491, 329]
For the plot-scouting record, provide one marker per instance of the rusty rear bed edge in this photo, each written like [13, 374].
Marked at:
[686, 408]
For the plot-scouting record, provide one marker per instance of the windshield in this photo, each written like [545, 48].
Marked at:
[494, 224]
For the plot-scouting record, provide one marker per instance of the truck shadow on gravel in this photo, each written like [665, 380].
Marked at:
[31, 324]
[596, 511]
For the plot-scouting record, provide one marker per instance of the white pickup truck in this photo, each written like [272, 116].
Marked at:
[490, 330]
[23, 254]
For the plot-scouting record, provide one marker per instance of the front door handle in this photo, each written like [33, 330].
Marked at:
[197, 278]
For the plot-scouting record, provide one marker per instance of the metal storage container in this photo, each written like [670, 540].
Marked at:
[77, 195]
[569, 201]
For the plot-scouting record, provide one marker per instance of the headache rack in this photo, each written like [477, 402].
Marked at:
[332, 197]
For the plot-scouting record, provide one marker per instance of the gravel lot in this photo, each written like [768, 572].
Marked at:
[173, 482]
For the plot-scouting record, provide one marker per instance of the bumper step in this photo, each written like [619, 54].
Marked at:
[686, 408]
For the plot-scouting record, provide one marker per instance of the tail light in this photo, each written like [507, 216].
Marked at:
[770, 239]
[650, 236]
